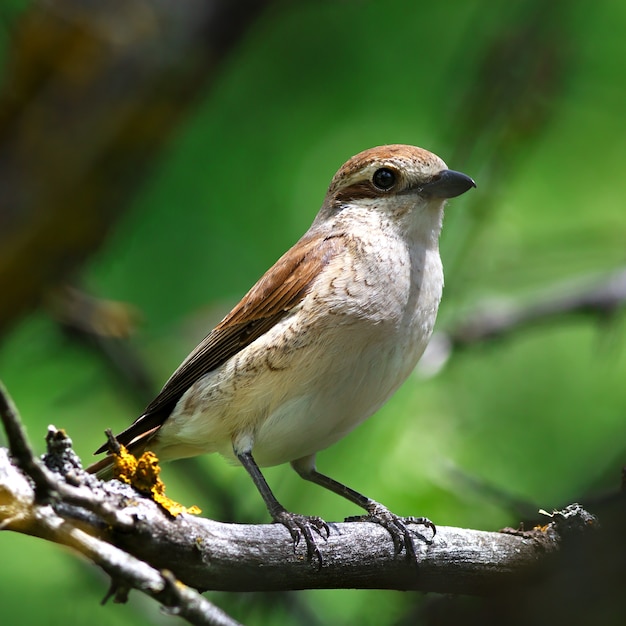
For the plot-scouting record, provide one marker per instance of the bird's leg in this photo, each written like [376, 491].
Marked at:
[298, 525]
[376, 512]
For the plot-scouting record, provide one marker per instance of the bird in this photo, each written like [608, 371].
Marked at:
[320, 342]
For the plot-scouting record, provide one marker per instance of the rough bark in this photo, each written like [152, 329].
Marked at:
[55, 499]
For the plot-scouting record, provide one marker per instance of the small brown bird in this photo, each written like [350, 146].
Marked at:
[321, 341]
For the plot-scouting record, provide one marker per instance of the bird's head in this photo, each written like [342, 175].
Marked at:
[395, 180]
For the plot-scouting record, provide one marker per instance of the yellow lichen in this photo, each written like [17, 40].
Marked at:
[124, 466]
[143, 475]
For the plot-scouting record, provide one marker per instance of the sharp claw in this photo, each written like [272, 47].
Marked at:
[397, 527]
[302, 525]
[422, 521]
[320, 526]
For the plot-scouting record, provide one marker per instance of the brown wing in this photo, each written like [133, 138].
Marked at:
[280, 289]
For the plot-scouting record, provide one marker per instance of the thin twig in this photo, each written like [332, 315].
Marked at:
[19, 446]
[193, 607]
[127, 572]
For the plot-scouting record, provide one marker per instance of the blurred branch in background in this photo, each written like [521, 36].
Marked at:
[105, 326]
[599, 301]
[91, 93]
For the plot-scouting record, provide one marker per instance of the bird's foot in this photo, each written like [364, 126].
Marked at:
[303, 526]
[397, 527]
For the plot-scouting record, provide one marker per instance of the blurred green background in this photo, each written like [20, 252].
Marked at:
[528, 99]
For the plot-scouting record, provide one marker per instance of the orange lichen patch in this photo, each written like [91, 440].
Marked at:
[124, 465]
[143, 475]
[542, 528]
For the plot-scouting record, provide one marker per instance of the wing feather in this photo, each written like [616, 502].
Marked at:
[276, 293]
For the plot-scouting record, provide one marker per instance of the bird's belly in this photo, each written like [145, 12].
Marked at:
[350, 391]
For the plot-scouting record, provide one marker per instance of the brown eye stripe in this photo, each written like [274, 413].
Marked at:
[356, 191]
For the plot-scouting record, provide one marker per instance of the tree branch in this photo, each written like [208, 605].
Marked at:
[142, 65]
[236, 557]
[133, 540]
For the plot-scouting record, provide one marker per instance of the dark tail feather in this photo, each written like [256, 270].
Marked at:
[140, 430]
[103, 468]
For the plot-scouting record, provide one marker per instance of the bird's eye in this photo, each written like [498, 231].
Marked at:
[384, 178]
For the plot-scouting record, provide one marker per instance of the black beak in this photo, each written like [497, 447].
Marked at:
[448, 184]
